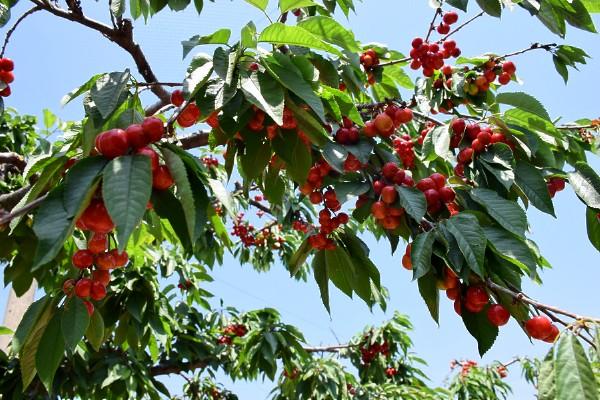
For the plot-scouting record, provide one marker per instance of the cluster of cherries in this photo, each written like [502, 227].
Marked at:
[96, 259]
[190, 114]
[369, 351]
[137, 138]
[231, 331]
[300, 226]
[478, 138]
[386, 210]
[369, 59]
[475, 299]
[250, 236]
[436, 192]
[210, 161]
[386, 123]
[430, 56]
[6, 75]
[555, 185]
[348, 133]
[328, 222]
[542, 328]
[404, 148]
[449, 18]
[504, 72]
[465, 366]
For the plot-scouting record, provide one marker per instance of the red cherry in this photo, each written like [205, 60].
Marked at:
[450, 17]
[89, 307]
[426, 184]
[384, 124]
[83, 287]
[447, 195]
[97, 291]
[112, 143]
[136, 136]
[7, 76]
[504, 78]
[477, 146]
[458, 125]
[83, 259]
[7, 64]
[162, 179]
[417, 42]
[404, 115]
[432, 196]
[120, 260]
[102, 276]
[509, 67]
[498, 315]
[474, 308]
[539, 327]
[551, 338]
[68, 287]
[98, 243]
[472, 130]
[476, 295]
[378, 209]
[443, 29]
[484, 137]
[147, 151]
[457, 307]
[453, 293]
[316, 197]
[389, 194]
[466, 155]
[497, 138]
[378, 186]
[344, 218]
[389, 170]
[439, 179]
[370, 130]
[96, 218]
[5, 92]
[153, 129]
[177, 98]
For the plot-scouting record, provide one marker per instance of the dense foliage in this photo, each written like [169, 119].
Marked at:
[121, 219]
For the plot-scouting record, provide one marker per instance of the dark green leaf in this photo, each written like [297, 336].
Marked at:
[107, 90]
[532, 183]
[74, 322]
[50, 353]
[29, 321]
[525, 102]
[470, 238]
[480, 328]
[322, 277]
[264, 92]
[546, 378]
[296, 155]
[184, 191]
[413, 201]
[95, 331]
[220, 36]
[491, 7]
[507, 213]
[431, 294]
[420, 253]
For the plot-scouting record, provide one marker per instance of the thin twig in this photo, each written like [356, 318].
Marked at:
[23, 210]
[534, 46]
[147, 84]
[438, 12]
[461, 26]
[14, 27]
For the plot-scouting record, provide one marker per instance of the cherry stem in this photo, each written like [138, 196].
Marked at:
[438, 12]
[461, 26]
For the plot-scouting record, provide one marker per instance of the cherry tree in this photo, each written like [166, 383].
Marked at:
[326, 137]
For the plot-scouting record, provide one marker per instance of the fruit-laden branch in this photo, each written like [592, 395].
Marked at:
[13, 159]
[122, 36]
[10, 32]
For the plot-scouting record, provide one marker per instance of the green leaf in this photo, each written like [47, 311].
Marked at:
[248, 36]
[117, 7]
[510, 247]
[74, 322]
[491, 7]
[593, 6]
[480, 328]
[507, 213]
[126, 189]
[331, 31]
[420, 253]
[413, 201]
[440, 137]
[321, 277]
[299, 257]
[308, 124]
[50, 353]
[260, 4]
[221, 193]
[220, 36]
[264, 92]
[199, 4]
[95, 331]
[4, 14]
[80, 90]
[470, 238]
[460, 4]
[340, 269]
[196, 79]
[184, 191]
[287, 5]
[532, 183]
[344, 103]
[586, 184]
[546, 378]
[29, 321]
[281, 34]
[5, 331]
[52, 226]
[256, 156]
[79, 181]
[107, 90]
[593, 226]
[296, 155]
[574, 376]
[430, 294]
[525, 102]
[285, 72]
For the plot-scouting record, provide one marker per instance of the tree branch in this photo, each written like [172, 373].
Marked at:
[10, 32]
[13, 159]
[12, 199]
[534, 46]
[122, 36]
[461, 26]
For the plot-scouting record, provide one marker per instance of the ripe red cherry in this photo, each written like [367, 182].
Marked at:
[5, 92]
[472, 130]
[177, 98]
[477, 296]
[458, 125]
[7, 76]
[161, 178]
[439, 179]
[102, 276]
[147, 151]
[539, 327]
[551, 338]
[136, 136]
[466, 155]
[112, 143]
[484, 137]
[153, 129]
[497, 137]
[68, 287]
[504, 78]
[96, 218]
[7, 64]
[450, 17]
[120, 259]
[316, 197]
[189, 116]
[509, 67]
[453, 293]
[432, 196]
[378, 186]
[389, 170]
[426, 184]
[384, 124]
[89, 307]
[477, 146]
[498, 315]
[105, 261]
[417, 42]
[343, 218]
[457, 307]
[389, 194]
[443, 29]
[378, 209]
[83, 287]
[403, 115]
[370, 130]
[83, 259]
[98, 243]
[447, 195]
[97, 291]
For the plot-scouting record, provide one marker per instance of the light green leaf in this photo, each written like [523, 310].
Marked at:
[222, 194]
[126, 189]
[525, 102]
[574, 376]
[287, 5]
[95, 331]
[546, 378]
[220, 36]
[260, 4]
[331, 31]
[281, 34]
[586, 184]
[107, 90]
[117, 7]
[183, 189]
[264, 92]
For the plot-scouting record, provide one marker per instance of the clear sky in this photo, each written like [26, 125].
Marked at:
[52, 56]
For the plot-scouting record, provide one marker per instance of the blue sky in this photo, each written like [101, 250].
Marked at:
[52, 56]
